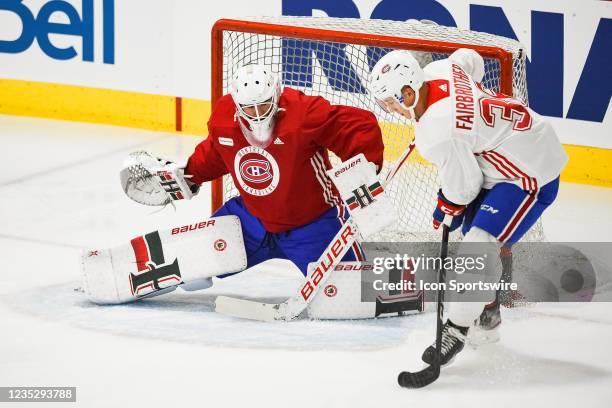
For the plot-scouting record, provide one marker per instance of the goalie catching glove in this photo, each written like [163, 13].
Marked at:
[154, 181]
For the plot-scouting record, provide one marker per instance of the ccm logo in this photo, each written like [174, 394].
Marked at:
[450, 211]
[193, 227]
[488, 208]
[337, 250]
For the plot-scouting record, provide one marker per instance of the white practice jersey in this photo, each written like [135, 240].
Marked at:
[478, 138]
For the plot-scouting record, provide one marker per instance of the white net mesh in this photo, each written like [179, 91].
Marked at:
[339, 71]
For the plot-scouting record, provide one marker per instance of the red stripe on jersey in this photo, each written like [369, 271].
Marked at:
[336, 198]
[503, 158]
[353, 205]
[517, 217]
[494, 164]
[500, 161]
[525, 179]
[318, 158]
[529, 181]
[141, 251]
[327, 196]
[331, 198]
[507, 168]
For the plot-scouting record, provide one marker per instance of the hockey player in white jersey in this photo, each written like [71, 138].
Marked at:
[498, 161]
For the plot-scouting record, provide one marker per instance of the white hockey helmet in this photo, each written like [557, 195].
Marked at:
[393, 72]
[255, 90]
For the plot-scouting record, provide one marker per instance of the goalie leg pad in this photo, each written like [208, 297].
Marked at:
[188, 254]
[341, 298]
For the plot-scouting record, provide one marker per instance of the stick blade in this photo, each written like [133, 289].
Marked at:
[419, 379]
[248, 309]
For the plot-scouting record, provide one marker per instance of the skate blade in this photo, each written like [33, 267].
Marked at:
[478, 337]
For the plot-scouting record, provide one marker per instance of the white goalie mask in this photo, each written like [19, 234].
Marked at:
[256, 90]
[391, 73]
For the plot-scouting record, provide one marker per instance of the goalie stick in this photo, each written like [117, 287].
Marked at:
[295, 305]
[431, 373]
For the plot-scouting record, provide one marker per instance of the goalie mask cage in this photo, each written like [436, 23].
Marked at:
[332, 57]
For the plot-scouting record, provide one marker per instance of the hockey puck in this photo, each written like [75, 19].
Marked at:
[572, 281]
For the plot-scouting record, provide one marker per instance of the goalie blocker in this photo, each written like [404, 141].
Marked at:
[363, 194]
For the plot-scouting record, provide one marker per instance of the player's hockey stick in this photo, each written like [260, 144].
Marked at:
[329, 259]
[431, 373]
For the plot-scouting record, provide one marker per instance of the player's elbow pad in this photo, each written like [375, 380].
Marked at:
[471, 61]
[466, 193]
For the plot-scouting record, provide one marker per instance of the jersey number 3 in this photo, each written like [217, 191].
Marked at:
[507, 109]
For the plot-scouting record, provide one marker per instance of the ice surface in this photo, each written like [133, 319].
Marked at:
[60, 192]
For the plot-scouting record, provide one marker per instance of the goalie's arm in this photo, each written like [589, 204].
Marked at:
[205, 163]
[345, 130]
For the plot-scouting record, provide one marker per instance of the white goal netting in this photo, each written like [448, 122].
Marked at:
[338, 70]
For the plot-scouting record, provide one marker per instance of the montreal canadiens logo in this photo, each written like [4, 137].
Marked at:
[256, 171]
[386, 68]
[330, 290]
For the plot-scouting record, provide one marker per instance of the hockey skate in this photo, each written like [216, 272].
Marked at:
[453, 341]
[486, 327]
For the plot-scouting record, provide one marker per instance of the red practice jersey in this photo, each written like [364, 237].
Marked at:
[285, 184]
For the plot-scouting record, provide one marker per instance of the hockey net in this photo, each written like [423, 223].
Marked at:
[332, 57]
